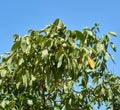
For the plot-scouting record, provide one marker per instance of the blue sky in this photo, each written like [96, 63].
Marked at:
[18, 16]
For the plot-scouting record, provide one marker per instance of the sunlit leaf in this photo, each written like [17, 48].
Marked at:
[3, 73]
[113, 33]
[30, 102]
[61, 26]
[21, 60]
[89, 32]
[33, 78]
[4, 103]
[24, 80]
[106, 56]
[60, 61]
[23, 45]
[110, 93]
[18, 85]
[45, 54]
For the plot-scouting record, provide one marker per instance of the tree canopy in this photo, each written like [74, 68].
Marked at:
[59, 69]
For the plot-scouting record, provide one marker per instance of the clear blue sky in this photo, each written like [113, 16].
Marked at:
[18, 16]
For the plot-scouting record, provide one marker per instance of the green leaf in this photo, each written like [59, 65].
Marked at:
[16, 46]
[69, 64]
[107, 38]
[113, 33]
[30, 102]
[84, 82]
[24, 80]
[95, 80]
[3, 73]
[47, 44]
[102, 90]
[27, 40]
[18, 85]
[100, 47]
[110, 93]
[73, 34]
[47, 29]
[58, 54]
[68, 32]
[60, 26]
[18, 75]
[4, 103]
[89, 32]
[28, 49]
[60, 61]
[70, 101]
[106, 56]
[45, 54]
[113, 46]
[16, 37]
[73, 44]
[33, 78]
[23, 45]
[54, 27]
[21, 60]
[65, 88]
[0, 81]
[80, 36]
[112, 58]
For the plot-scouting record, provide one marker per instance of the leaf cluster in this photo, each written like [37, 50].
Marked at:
[55, 69]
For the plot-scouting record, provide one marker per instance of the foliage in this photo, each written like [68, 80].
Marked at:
[55, 69]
